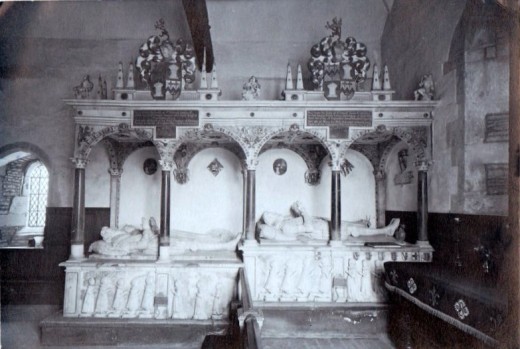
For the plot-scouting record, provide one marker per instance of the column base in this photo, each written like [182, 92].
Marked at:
[164, 253]
[76, 251]
[421, 243]
[248, 243]
[335, 243]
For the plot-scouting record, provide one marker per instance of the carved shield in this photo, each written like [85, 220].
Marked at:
[174, 87]
[331, 89]
[348, 88]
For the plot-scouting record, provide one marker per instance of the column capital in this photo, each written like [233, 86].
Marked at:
[79, 162]
[423, 165]
[167, 165]
[115, 172]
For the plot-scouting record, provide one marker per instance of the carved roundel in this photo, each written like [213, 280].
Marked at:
[150, 166]
[280, 166]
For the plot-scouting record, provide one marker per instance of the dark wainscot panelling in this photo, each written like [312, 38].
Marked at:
[33, 276]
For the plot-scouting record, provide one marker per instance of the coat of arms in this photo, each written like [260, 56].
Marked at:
[336, 65]
[165, 66]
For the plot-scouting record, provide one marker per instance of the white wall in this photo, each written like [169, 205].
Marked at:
[97, 178]
[140, 193]
[206, 201]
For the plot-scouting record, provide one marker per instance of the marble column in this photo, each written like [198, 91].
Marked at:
[244, 200]
[115, 190]
[77, 249]
[380, 177]
[250, 205]
[335, 206]
[422, 202]
[164, 230]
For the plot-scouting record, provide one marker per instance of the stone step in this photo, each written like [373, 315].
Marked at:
[326, 343]
[333, 322]
[57, 330]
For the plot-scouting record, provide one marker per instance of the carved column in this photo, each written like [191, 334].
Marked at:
[164, 238]
[115, 189]
[77, 250]
[335, 206]
[250, 204]
[422, 202]
[380, 177]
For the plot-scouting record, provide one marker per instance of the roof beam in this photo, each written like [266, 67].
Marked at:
[197, 16]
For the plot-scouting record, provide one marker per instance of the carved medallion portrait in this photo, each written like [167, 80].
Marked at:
[280, 166]
[150, 166]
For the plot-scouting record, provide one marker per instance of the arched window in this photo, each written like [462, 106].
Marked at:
[37, 178]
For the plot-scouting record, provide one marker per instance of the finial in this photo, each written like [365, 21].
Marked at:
[130, 81]
[289, 82]
[203, 75]
[376, 83]
[386, 79]
[214, 82]
[119, 83]
[299, 78]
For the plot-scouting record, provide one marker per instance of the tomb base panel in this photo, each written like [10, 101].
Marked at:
[322, 275]
[180, 290]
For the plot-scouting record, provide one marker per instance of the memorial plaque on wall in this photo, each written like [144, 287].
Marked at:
[497, 128]
[339, 121]
[166, 121]
[496, 179]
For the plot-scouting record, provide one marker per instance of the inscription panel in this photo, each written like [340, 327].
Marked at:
[496, 179]
[166, 121]
[339, 121]
[497, 128]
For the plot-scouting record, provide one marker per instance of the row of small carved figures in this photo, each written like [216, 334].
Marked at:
[137, 299]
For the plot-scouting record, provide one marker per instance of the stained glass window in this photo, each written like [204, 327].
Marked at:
[38, 178]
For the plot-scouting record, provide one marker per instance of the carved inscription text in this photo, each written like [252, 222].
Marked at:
[339, 121]
[166, 121]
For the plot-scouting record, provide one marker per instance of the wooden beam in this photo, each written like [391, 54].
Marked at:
[197, 16]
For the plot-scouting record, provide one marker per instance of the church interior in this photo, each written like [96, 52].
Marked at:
[259, 174]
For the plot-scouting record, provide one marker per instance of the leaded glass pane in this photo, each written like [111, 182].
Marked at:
[39, 184]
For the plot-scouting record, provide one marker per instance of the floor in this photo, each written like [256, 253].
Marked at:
[333, 328]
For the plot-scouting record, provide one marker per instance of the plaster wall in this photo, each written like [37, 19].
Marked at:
[400, 197]
[208, 202]
[260, 37]
[97, 178]
[412, 53]
[486, 92]
[140, 193]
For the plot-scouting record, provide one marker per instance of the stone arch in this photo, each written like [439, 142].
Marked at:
[87, 137]
[118, 152]
[415, 137]
[27, 147]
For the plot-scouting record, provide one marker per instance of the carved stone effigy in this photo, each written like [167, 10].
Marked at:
[127, 242]
[148, 290]
[303, 227]
[287, 272]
